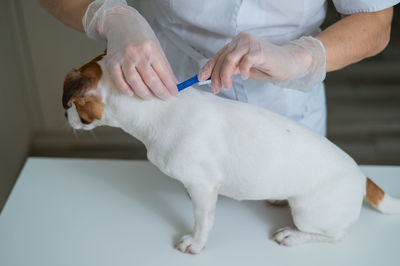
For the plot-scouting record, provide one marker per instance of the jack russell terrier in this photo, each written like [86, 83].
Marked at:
[218, 146]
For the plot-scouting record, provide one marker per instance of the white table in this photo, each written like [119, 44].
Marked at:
[109, 212]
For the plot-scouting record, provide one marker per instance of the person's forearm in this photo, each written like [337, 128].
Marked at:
[70, 12]
[356, 37]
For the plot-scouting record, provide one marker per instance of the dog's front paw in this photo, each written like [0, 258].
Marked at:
[188, 244]
[287, 236]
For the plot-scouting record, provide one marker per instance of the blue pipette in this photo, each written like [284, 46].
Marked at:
[188, 83]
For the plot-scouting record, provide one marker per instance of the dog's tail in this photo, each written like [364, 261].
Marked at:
[381, 200]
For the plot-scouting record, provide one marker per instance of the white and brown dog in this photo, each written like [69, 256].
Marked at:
[217, 146]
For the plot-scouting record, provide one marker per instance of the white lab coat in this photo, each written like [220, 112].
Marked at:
[192, 31]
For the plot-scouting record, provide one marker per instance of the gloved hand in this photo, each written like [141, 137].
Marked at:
[134, 55]
[299, 64]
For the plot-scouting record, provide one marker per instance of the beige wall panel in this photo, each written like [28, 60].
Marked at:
[55, 49]
[15, 123]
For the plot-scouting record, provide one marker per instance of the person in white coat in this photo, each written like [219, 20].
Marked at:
[267, 53]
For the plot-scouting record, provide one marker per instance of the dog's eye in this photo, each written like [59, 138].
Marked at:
[83, 121]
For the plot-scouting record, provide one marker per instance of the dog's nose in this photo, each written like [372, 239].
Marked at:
[66, 114]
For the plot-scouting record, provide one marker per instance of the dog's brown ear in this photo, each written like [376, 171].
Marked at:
[75, 86]
[79, 81]
[79, 86]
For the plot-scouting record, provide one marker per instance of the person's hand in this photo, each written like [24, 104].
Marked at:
[134, 55]
[299, 64]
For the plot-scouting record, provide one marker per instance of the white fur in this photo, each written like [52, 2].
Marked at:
[217, 146]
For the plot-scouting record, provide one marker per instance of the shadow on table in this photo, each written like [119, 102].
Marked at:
[168, 200]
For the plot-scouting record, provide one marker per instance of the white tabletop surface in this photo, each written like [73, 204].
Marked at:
[109, 212]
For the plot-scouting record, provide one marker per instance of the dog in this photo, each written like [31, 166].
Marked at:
[218, 146]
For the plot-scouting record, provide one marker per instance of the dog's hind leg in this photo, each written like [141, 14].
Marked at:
[314, 223]
[204, 200]
[324, 214]
[288, 236]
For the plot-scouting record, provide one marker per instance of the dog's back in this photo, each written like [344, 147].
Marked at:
[252, 147]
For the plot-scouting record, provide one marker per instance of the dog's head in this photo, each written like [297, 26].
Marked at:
[82, 100]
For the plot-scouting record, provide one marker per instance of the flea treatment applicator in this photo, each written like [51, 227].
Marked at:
[192, 81]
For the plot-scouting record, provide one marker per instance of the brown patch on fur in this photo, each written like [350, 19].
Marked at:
[77, 84]
[374, 193]
[90, 108]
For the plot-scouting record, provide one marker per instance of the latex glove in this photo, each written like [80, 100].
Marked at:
[299, 64]
[134, 57]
